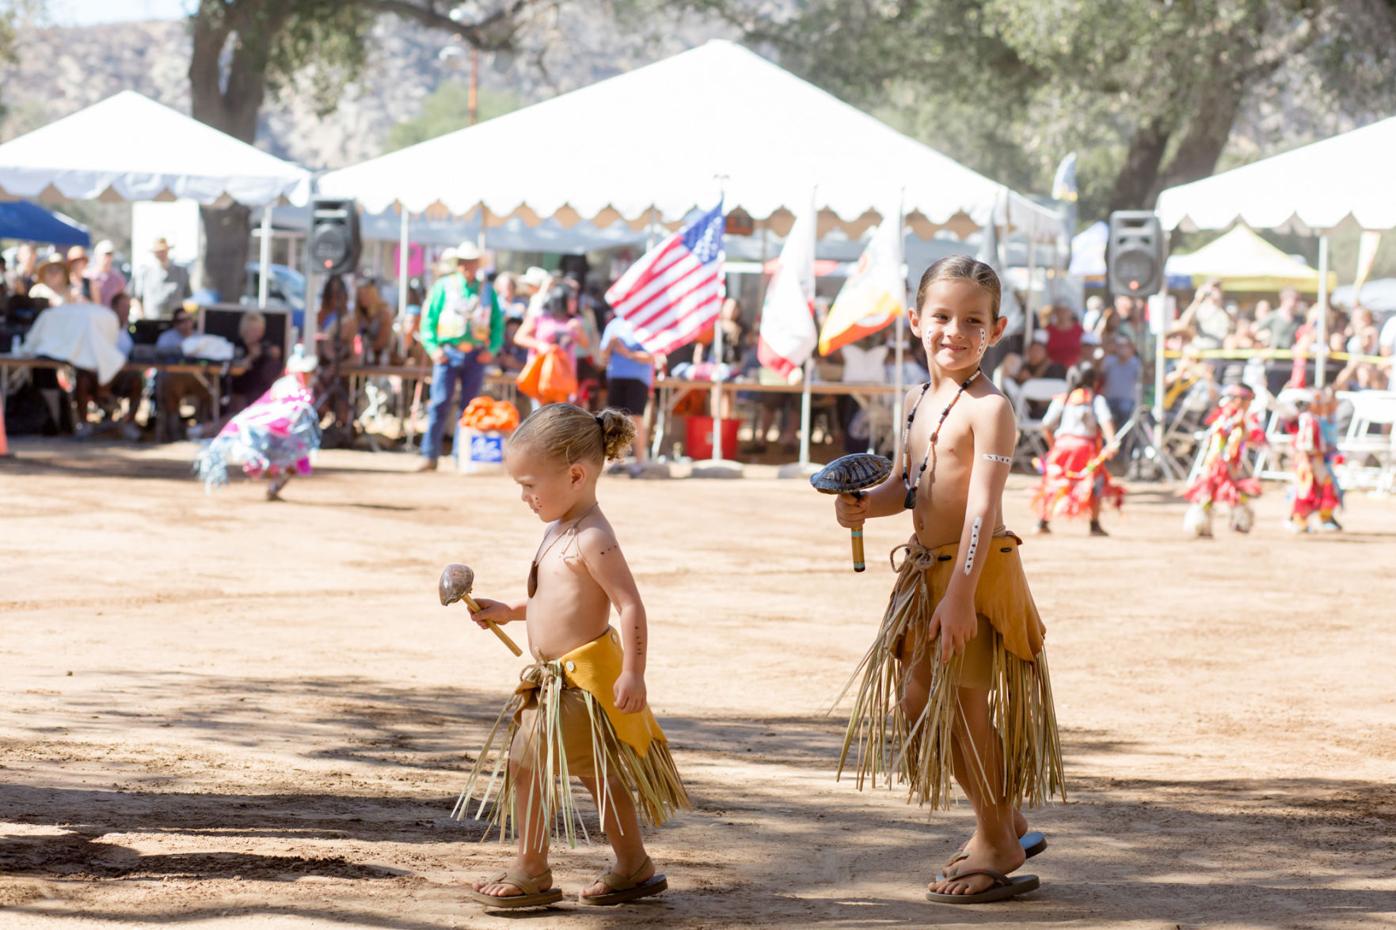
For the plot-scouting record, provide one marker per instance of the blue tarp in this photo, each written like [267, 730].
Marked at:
[20, 219]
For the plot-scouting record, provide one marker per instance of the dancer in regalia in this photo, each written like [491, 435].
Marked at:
[1233, 430]
[1315, 489]
[1080, 433]
[274, 438]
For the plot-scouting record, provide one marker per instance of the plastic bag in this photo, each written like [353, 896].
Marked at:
[549, 377]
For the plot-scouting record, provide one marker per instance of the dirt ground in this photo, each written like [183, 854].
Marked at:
[222, 712]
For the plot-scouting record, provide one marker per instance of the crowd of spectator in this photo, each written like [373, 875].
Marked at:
[469, 320]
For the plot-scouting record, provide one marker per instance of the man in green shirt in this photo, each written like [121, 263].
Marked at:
[462, 329]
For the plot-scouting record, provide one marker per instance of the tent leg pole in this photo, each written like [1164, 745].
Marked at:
[403, 244]
[1159, 359]
[264, 260]
[716, 402]
[1028, 318]
[1321, 353]
[805, 413]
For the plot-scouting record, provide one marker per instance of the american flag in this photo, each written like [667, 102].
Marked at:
[675, 290]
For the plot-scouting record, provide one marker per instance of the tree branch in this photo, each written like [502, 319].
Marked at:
[493, 33]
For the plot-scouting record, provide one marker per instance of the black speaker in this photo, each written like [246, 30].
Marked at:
[1134, 254]
[334, 236]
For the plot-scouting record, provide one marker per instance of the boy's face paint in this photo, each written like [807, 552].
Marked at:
[548, 488]
[956, 324]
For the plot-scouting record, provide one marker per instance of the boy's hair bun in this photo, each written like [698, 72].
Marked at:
[570, 434]
[617, 432]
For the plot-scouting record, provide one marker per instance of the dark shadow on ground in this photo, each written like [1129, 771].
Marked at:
[1242, 851]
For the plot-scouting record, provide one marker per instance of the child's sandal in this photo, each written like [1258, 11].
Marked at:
[625, 887]
[538, 891]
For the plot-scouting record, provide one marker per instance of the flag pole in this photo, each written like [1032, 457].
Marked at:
[716, 402]
[802, 468]
[899, 380]
[718, 466]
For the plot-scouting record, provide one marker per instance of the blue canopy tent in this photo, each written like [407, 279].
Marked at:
[20, 219]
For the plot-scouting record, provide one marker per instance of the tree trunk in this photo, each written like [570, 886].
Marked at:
[1208, 129]
[224, 262]
[230, 105]
[1138, 177]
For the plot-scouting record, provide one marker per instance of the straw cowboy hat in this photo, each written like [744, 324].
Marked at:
[52, 260]
[468, 251]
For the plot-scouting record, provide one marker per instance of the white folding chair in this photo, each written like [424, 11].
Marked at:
[1033, 391]
[1369, 439]
[1270, 458]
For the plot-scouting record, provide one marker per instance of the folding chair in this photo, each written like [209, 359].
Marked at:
[1180, 438]
[1278, 443]
[1030, 439]
[1363, 444]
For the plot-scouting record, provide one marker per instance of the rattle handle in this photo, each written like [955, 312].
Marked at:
[494, 627]
[856, 534]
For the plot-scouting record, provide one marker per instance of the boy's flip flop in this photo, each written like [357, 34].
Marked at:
[538, 891]
[1002, 889]
[1033, 842]
[625, 887]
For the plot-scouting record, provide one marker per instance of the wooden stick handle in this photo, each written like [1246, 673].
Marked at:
[857, 535]
[494, 627]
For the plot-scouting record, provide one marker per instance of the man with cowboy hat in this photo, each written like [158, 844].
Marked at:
[462, 328]
[161, 288]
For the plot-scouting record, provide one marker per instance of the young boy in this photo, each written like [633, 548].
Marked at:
[958, 664]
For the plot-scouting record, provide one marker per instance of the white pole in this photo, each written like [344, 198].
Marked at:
[1028, 318]
[1159, 361]
[899, 379]
[264, 260]
[1321, 355]
[403, 244]
[716, 401]
[805, 412]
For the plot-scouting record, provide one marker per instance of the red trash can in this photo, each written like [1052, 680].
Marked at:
[699, 438]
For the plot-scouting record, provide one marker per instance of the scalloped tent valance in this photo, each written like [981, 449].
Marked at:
[652, 144]
[1345, 178]
[128, 147]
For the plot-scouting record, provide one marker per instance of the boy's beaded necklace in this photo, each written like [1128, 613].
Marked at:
[927, 461]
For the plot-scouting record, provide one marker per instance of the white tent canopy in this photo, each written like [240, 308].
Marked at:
[128, 147]
[676, 134]
[1313, 188]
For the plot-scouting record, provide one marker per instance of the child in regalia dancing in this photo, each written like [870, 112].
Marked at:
[1225, 475]
[1315, 489]
[1080, 434]
[956, 680]
[273, 438]
[581, 707]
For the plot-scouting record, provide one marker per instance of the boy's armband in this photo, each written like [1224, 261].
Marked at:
[1001, 459]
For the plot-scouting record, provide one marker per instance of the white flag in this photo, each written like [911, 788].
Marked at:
[788, 335]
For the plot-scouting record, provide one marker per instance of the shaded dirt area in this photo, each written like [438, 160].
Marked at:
[224, 713]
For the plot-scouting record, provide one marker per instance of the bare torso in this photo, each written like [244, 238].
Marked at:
[939, 515]
[568, 609]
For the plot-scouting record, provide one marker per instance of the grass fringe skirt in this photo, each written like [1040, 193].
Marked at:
[882, 746]
[652, 779]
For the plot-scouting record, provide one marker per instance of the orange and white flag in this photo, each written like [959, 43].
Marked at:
[873, 296]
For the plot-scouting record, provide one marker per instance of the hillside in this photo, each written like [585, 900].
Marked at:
[62, 70]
